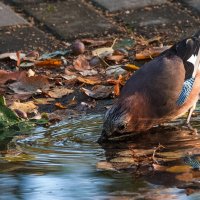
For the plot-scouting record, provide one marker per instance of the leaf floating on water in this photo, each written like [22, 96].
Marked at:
[99, 92]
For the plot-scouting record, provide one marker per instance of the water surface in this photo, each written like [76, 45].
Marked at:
[65, 162]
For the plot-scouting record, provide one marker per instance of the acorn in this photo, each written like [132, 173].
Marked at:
[78, 47]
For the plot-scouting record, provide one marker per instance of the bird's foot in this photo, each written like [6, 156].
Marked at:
[193, 130]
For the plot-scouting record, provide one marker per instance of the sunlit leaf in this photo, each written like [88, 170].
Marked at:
[103, 52]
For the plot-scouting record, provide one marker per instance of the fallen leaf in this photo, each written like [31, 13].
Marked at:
[50, 63]
[116, 58]
[60, 106]
[30, 85]
[59, 92]
[115, 70]
[150, 52]
[54, 54]
[126, 43]
[88, 72]
[69, 77]
[130, 67]
[43, 101]
[27, 107]
[5, 76]
[12, 56]
[94, 43]
[81, 63]
[117, 84]
[103, 52]
[89, 81]
[99, 92]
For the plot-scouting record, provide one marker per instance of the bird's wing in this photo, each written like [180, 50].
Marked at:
[188, 50]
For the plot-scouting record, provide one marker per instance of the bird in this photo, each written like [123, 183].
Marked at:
[162, 90]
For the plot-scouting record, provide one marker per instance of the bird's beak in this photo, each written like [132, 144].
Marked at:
[103, 138]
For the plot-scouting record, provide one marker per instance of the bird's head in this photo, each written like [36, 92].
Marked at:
[116, 122]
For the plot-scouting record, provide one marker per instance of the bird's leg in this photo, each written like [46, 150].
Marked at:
[189, 117]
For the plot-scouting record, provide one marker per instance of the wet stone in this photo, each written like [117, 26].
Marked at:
[70, 19]
[26, 39]
[193, 3]
[116, 5]
[167, 21]
[9, 17]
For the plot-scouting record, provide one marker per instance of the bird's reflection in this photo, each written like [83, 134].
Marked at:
[157, 156]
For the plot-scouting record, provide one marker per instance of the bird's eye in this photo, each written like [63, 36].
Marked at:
[121, 127]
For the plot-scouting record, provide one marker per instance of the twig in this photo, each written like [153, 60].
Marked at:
[154, 152]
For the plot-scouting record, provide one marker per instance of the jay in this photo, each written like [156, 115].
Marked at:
[160, 91]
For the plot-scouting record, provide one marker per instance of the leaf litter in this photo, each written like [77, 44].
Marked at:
[88, 68]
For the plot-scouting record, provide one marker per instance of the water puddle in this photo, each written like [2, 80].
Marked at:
[65, 162]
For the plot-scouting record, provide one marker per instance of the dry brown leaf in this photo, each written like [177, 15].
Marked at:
[27, 107]
[94, 43]
[12, 56]
[99, 91]
[60, 106]
[30, 85]
[8, 75]
[81, 63]
[59, 92]
[103, 52]
[116, 58]
[50, 63]
[117, 84]
[150, 52]
[88, 72]
[89, 81]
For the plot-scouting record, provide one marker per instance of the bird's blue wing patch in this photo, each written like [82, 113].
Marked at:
[187, 88]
